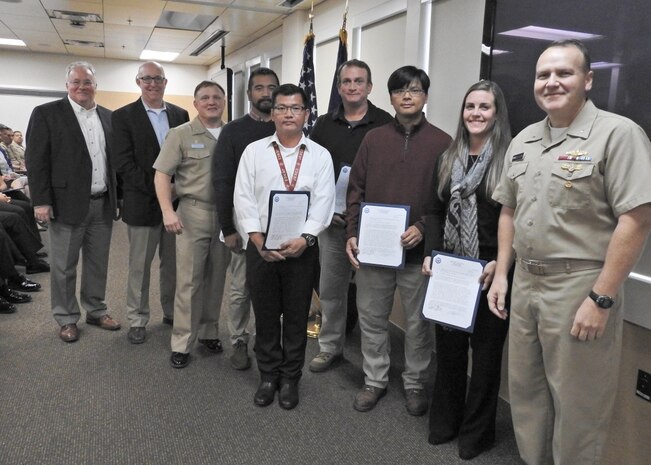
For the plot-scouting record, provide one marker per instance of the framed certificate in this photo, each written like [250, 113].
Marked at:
[378, 239]
[287, 215]
[453, 291]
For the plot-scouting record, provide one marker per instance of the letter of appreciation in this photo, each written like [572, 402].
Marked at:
[380, 228]
[453, 291]
[287, 215]
[340, 189]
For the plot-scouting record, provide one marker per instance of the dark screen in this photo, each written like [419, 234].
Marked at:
[625, 30]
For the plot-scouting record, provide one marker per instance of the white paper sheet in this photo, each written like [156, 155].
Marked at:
[287, 215]
[380, 228]
[453, 291]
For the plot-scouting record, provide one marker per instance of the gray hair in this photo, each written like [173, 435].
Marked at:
[79, 64]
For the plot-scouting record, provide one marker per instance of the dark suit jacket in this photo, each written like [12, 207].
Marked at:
[60, 168]
[134, 148]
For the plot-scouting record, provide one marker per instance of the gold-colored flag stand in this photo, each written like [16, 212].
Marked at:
[314, 317]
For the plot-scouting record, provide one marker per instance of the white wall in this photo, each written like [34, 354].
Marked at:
[47, 72]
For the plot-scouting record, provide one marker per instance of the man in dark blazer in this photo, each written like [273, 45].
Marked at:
[74, 190]
[139, 129]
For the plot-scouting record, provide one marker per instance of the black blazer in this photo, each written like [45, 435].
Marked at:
[134, 149]
[60, 168]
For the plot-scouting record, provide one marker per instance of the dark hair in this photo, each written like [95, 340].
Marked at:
[402, 77]
[587, 63]
[203, 84]
[500, 138]
[261, 72]
[3, 127]
[354, 63]
[287, 90]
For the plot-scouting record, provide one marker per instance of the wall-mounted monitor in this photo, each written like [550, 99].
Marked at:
[617, 33]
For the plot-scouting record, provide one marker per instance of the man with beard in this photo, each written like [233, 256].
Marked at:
[234, 138]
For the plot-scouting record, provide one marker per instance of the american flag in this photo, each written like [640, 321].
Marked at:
[342, 57]
[306, 81]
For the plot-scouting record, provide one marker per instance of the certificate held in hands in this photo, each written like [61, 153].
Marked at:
[287, 215]
[380, 228]
[453, 291]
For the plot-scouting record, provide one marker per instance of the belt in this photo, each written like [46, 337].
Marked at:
[542, 267]
[101, 195]
[203, 205]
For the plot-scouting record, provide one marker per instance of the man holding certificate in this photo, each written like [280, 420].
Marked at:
[341, 132]
[394, 166]
[284, 197]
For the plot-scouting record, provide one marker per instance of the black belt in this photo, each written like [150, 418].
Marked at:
[101, 195]
[543, 267]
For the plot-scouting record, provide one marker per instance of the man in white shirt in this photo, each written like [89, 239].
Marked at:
[281, 280]
[73, 188]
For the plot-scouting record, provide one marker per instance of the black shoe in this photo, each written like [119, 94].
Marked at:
[179, 359]
[6, 307]
[168, 321]
[265, 393]
[469, 453]
[288, 396]
[137, 335]
[37, 266]
[213, 345]
[13, 296]
[22, 284]
[41, 254]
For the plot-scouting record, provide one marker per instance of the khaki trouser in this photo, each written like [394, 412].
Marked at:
[562, 390]
[201, 264]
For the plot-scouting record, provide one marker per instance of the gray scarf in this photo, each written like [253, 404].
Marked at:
[460, 235]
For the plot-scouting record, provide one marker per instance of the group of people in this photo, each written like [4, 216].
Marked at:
[557, 214]
[20, 240]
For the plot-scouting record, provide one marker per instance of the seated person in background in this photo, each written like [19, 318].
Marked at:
[15, 201]
[8, 169]
[10, 279]
[24, 241]
[17, 152]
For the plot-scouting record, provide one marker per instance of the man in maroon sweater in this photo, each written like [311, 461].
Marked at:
[395, 165]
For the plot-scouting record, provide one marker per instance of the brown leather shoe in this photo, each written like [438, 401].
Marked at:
[69, 333]
[104, 322]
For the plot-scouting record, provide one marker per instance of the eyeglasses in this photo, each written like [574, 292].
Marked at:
[414, 92]
[295, 109]
[148, 79]
[78, 83]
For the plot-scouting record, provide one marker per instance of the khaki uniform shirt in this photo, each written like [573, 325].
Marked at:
[567, 195]
[186, 154]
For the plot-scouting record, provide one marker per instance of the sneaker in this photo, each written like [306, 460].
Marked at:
[240, 359]
[212, 345]
[324, 361]
[368, 397]
[416, 401]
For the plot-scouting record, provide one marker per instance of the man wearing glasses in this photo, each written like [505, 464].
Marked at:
[281, 280]
[74, 189]
[139, 130]
[395, 165]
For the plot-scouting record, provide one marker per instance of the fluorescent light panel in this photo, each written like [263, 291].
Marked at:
[14, 42]
[486, 50]
[605, 65]
[154, 55]
[545, 33]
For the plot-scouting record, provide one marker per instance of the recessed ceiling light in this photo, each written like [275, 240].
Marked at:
[154, 55]
[14, 42]
[545, 33]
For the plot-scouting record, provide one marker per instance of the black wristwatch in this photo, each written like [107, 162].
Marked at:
[310, 240]
[602, 301]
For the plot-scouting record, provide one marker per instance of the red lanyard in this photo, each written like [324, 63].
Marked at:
[283, 170]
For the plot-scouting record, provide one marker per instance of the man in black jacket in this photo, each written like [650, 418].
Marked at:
[139, 129]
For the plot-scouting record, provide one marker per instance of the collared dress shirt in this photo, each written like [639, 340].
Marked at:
[91, 127]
